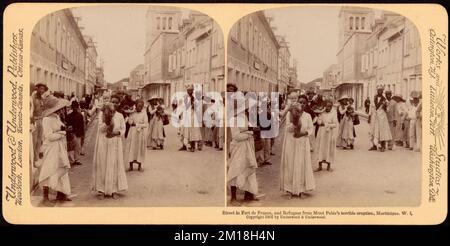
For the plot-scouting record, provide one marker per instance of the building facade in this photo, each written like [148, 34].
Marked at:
[136, 79]
[330, 80]
[253, 54]
[196, 55]
[58, 54]
[284, 58]
[386, 52]
[91, 65]
[162, 26]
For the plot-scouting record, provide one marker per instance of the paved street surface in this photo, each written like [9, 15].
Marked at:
[360, 178]
[171, 178]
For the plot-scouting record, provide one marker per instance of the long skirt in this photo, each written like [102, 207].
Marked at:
[381, 130]
[109, 170]
[296, 174]
[54, 172]
[242, 166]
[325, 144]
[136, 146]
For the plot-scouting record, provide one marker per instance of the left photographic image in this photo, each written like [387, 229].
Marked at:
[126, 108]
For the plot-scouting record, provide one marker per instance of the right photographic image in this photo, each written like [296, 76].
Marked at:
[324, 109]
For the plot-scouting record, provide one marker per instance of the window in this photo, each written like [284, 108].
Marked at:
[233, 33]
[250, 35]
[170, 63]
[214, 43]
[58, 36]
[170, 23]
[407, 42]
[255, 42]
[260, 45]
[183, 56]
[363, 23]
[245, 34]
[47, 30]
[164, 23]
[238, 31]
[357, 23]
[351, 23]
[158, 23]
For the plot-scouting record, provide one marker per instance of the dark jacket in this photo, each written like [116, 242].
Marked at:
[75, 119]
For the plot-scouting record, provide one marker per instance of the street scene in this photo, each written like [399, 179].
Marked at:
[348, 82]
[114, 93]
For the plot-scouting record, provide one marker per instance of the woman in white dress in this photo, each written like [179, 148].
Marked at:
[109, 170]
[326, 137]
[54, 173]
[296, 175]
[242, 163]
[137, 136]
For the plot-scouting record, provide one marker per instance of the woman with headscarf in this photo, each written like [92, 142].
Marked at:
[109, 170]
[54, 173]
[296, 174]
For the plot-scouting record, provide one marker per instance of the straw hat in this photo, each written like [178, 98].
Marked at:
[416, 94]
[398, 98]
[54, 104]
[232, 86]
[41, 84]
[319, 110]
[343, 97]
[153, 98]
[380, 87]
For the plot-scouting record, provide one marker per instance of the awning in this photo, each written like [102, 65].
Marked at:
[155, 84]
[352, 82]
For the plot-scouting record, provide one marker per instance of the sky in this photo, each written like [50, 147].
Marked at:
[119, 31]
[312, 33]
[120, 35]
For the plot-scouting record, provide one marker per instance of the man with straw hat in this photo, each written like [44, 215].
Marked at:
[54, 173]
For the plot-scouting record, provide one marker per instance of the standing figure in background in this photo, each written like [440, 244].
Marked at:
[75, 120]
[347, 130]
[401, 136]
[158, 134]
[192, 121]
[391, 112]
[381, 130]
[326, 139]
[38, 106]
[137, 138]
[415, 124]
[341, 112]
[151, 111]
[367, 105]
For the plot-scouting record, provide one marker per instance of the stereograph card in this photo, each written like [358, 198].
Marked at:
[225, 113]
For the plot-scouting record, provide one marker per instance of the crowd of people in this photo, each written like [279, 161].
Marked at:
[314, 127]
[126, 128]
